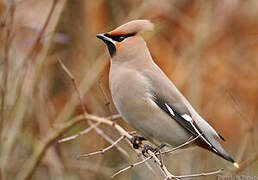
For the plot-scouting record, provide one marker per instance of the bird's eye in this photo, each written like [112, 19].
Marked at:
[120, 38]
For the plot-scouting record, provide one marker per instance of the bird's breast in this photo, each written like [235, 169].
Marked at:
[131, 93]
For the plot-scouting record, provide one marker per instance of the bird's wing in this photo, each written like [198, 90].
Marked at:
[205, 140]
[172, 102]
[184, 119]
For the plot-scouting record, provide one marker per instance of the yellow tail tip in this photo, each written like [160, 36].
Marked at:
[236, 164]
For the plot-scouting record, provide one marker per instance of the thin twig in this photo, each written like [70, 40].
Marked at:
[160, 158]
[99, 131]
[107, 102]
[83, 132]
[162, 166]
[111, 141]
[74, 83]
[131, 166]
[200, 174]
[108, 122]
[182, 145]
[102, 151]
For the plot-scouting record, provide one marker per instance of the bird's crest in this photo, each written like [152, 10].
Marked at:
[133, 27]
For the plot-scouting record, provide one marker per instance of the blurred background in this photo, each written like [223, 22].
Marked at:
[209, 49]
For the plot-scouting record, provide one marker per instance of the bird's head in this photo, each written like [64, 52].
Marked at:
[125, 40]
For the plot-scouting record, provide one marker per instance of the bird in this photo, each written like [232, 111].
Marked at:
[147, 99]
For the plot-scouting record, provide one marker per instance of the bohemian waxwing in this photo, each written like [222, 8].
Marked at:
[147, 99]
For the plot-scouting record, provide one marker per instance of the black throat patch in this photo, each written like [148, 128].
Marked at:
[117, 38]
[111, 48]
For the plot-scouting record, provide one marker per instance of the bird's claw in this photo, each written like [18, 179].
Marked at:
[147, 147]
[137, 141]
[159, 147]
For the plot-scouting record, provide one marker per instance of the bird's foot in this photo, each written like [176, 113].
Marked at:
[147, 147]
[137, 141]
[162, 145]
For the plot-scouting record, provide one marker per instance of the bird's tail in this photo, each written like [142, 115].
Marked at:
[217, 149]
[227, 157]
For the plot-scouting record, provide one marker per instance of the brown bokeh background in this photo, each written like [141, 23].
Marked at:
[209, 49]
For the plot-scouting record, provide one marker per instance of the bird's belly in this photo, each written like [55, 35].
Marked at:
[150, 121]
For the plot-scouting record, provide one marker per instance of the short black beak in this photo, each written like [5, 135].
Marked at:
[100, 36]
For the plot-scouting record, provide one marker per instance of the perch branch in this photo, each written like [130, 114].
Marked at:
[158, 153]
[164, 169]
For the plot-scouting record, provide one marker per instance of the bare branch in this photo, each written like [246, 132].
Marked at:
[102, 151]
[182, 145]
[66, 70]
[74, 84]
[111, 141]
[107, 102]
[83, 132]
[200, 174]
[131, 166]
[162, 166]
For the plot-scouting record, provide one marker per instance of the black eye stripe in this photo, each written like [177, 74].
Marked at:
[119, 38]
